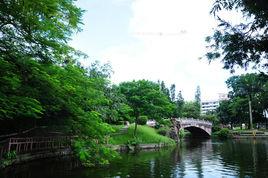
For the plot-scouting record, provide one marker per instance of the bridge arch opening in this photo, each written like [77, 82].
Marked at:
[197, 132]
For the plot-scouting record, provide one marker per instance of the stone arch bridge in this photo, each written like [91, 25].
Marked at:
[197, 127]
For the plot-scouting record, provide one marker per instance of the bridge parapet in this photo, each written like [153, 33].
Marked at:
[192, 121]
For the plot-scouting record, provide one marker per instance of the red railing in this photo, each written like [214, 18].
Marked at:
[33, 144]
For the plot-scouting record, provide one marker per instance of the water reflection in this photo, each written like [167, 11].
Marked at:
[193, 158]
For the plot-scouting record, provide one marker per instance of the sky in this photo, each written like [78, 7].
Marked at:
[153, 40]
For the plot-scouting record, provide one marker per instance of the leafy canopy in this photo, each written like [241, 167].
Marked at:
[39, 29]
[244, 44]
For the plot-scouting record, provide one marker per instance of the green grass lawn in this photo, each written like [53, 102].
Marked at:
[145, 135]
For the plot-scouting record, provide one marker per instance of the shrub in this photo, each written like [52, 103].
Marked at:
[181, 133]
[8, 159]
[165, 122]
[91, 153]
[216, 128]
[163, 131]
[134, 141]
[224, 133]
[142, 120]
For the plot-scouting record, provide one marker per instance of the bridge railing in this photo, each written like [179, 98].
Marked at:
[33, 144]
[192, 120]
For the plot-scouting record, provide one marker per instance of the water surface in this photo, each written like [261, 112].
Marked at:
[193, 158]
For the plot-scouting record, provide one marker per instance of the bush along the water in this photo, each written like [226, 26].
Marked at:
[181, 134]
[223, 133]
[8, 158]
[92, 153]
[216, 128]
[163, 131]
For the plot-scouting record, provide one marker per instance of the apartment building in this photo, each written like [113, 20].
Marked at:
[212, 105]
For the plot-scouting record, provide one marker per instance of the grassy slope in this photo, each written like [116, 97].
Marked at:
[145, 134]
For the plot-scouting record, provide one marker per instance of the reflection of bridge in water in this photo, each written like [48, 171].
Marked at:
[197, 127]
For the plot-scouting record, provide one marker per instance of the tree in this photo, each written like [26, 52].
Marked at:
[191, 110]
[244, 43]
[146, 99]
[164, 89]
[198, 99]
[198, 95]
[117, 108]
[179, 105]
[248, 85]
[233, 111]
[173, 92]
[39, 29]
[41, 82]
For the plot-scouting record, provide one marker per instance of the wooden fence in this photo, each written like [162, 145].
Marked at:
[33, 144]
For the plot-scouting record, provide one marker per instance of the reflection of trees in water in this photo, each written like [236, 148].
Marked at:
[52, 168]
[249, 157]
[238, 156]
[195, 149]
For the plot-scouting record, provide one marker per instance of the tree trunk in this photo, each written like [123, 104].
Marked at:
[136, 125]
[250, 114]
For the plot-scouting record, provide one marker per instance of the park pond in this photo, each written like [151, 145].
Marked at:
[192, 158]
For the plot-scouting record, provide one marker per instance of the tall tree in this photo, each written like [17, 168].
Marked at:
[146, 98]
[179, 105]
[41, 83]
[117, 108]
[164, 89]
[173, 92]
[249, 86]
[198, 95]
[198, 99]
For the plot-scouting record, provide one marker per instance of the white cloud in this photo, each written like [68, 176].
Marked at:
[170, 37]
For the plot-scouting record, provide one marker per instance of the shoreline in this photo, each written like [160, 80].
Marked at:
[58, 154]
[138, 147]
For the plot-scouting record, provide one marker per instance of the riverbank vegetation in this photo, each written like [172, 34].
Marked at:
[144, 135]
[43, 85]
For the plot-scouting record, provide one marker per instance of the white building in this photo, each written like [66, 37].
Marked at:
[212, 105]
[208, 106]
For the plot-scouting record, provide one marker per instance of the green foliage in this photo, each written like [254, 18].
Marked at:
[198, 95]
[165, 90]
[165, 122]
[173, 92]
[117, 109]
[41, 78]
[243, 43]
[10, 155]
[134, 141]
[92, 153]
[191, 110]
[163, 131]
[244, 89]
[39, 29]
[146, 98]
[181, 134]
[142, 120]
[223, 133]
[8, 158]
[215, 128]
[144, 135]
[179, 105]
